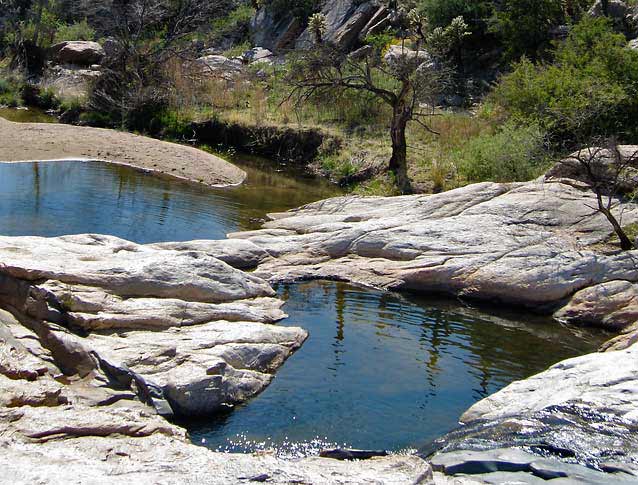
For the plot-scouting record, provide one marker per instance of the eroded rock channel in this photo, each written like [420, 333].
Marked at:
[100, 334]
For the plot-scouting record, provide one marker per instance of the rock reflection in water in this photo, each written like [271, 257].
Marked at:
[386, 372]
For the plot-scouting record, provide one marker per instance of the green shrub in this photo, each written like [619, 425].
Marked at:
[75, 31]
[94, 118]
[524, 25]
[513, 153]
[235, 24]
[440, 13]
[590, 89]
[34, 95]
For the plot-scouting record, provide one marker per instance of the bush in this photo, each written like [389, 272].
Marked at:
[513, 153]
[33, 95]
[235, 25]
[440, 13]
[524, 25]
[75, 31]
[591, 88]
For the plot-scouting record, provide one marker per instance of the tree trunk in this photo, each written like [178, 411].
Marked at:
[625, 242]
[399, 161]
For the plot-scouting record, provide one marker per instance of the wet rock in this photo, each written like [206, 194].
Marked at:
[605, 381]
[477, 462]
[351, 454]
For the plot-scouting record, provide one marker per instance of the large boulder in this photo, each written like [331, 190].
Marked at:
[610, 171]
[398, 57]
[534, 244]
[345, 19]
[257, 55]
[274, 32]
[77, 52]
[616, 9]
[575, 421]
[96, 430]
[218, 65]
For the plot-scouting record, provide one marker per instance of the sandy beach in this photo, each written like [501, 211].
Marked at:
[48, 141]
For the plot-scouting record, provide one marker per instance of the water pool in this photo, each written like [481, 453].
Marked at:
[378, 370]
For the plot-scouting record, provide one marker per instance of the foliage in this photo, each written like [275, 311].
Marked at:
[301, 9]
[317, 26]
[75, 31]
[513, 153]
[440, 13]
[235, 25]
[592, 86]
[524, 26]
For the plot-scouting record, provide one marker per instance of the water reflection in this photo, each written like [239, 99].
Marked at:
[52, 199]
[384, 371]
[31, 115]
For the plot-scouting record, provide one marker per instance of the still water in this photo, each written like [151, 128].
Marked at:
[378, 370]
[386, 371]
[57, 198]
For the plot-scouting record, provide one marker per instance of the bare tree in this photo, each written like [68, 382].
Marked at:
[147, 35]
[610, 172]
[407, 80]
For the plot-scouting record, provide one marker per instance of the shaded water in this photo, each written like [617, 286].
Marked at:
[378, 371]
[385, 371]
[56, 198]
[30, 115]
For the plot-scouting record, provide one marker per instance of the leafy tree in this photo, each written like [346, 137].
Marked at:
[440, 13]
[408, 81]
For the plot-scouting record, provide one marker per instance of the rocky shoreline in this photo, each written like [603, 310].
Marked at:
[100, 337]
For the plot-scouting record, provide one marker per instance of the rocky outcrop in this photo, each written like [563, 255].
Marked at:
[219, 66]
[274, 32]
[534, 244]
[576, 420]
[347, 22]
[183, 324]
[345, 19]
[77, 52]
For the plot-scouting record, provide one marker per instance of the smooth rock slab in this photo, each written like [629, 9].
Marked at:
[606, 381]
[532, 244]
[127, 269]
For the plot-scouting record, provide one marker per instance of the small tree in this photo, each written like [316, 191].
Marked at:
[610, 172]
[406, 79]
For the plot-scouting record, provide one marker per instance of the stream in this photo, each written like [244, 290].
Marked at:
[379, 370]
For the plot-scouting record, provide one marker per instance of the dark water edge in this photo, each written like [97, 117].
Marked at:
[27, 115]
[386, 371]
